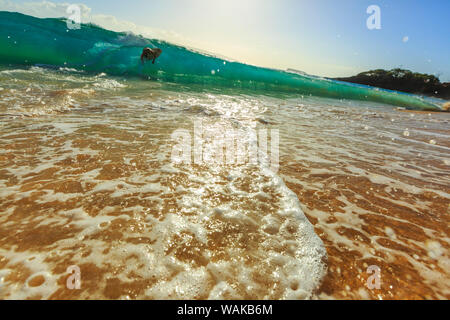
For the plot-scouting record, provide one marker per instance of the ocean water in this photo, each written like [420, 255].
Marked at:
[346, 177]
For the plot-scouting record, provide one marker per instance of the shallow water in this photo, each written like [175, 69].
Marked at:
[87, 179]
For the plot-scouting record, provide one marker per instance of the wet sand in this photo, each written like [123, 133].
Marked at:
[94, 187]
[377, 199]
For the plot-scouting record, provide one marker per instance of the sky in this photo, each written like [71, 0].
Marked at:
[321, 37]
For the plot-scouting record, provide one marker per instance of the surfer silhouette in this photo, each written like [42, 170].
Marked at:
[150, 54]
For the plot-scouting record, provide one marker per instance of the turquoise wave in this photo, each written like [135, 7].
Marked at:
[26, 40]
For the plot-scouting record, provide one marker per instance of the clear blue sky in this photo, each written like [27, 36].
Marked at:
[323, 37]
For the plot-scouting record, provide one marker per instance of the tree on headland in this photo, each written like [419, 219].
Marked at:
[403, 80]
